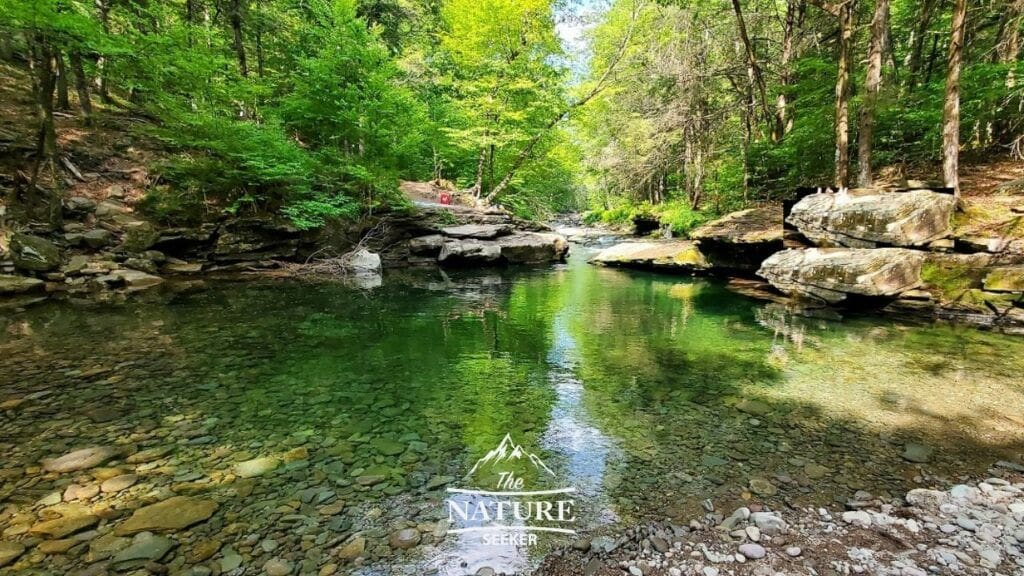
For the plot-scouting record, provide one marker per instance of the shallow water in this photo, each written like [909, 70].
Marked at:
[646, 394]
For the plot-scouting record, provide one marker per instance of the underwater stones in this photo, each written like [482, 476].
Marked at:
[118, 483]
[11, 284]
[835, 275]
[10, 551]
[231, 560]
[203, 550]
[815, 471]
[277, 567]
[681, 255]
[257, 466]
[145, 548]
[80, 492]
[33, 254]
[868, 219]
[81, 459]
[353, 549]
[917, 453]
[175, 513]
[64, 526]
[404, 539]
[149, 455]
[762, 487]
[753, 407]
[438, 481]
[387, 446]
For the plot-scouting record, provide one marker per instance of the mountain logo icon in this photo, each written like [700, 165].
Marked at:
[509, 451]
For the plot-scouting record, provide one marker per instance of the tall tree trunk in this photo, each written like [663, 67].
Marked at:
[782, 124]
[81, 86]
[924, 20]
[1008, 40]
[235, 17]
[866, 120]
[63, 102]
[951, 110]
[846, 13]
[752, 63]
[43, 63]
[103, 10]
[259, 40]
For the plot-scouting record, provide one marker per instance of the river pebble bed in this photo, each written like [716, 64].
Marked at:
[307, 428]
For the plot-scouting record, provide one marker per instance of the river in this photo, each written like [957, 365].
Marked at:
[646, 394]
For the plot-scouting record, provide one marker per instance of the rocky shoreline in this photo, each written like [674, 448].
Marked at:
[107, 248]
[975, 528]
[903, 253]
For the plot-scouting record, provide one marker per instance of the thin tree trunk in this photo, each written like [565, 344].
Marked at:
[235, 17]
[920, 38]
[1008, 40]
[81, 86]
[103, 10]
[63, 102]
[951, 110]
[866, 120]
[782, 124]
[43, 63]
[753, 64]
[478, 183]
[259, 40]
[846, 12]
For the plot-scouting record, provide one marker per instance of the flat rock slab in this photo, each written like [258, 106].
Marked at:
[867, 218]
[145, 548]
[682, 255]
[257, 467]
[833, 275]
[11, 284]
[64, 526]
[81, 459]
[469, 251]
[751, 226]
[478, 231]
[175, 513]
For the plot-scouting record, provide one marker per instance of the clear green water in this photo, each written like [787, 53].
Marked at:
[625, 383]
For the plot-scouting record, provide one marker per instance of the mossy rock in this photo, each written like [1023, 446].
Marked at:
[1005, 279]
[34, 254]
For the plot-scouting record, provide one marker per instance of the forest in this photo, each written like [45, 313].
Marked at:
[316, 109]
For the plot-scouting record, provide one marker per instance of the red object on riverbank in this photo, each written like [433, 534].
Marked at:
[446, 198]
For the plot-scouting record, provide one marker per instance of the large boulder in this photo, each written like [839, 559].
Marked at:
[740, 241]
[255, 239]
[478, 231]
[868, 219]
[469, 251]
[34, 254]
[533, 247]
[680, 255]
[835, 275]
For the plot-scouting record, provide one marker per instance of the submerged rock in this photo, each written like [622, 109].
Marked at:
[681, 255]
[9, 552]
[834, 275]
[81, 459]
[867, 218]
[257, 467]
[172, 514]
[145, 548]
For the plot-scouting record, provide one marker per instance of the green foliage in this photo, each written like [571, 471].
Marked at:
[678, 214]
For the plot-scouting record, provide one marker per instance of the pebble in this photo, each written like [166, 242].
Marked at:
[277, 567]
[752, 551]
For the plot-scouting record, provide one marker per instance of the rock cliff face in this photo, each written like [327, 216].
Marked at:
[869, 219]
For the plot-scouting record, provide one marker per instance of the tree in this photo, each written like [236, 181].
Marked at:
[866, 122]
[951, 109]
